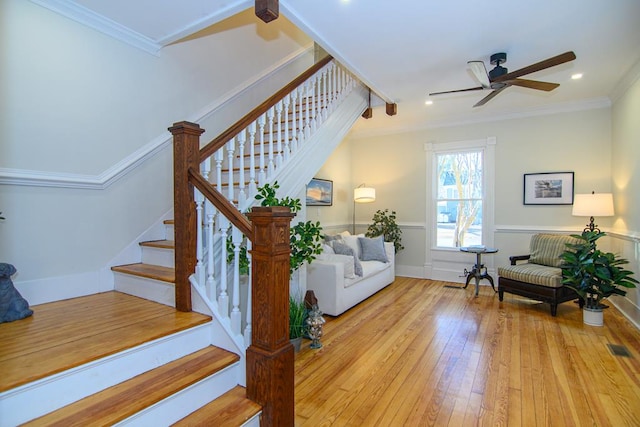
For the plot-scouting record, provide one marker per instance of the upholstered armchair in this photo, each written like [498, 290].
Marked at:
[540, 277]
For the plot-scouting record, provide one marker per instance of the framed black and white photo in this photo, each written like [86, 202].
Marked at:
[320, 192]
[548, 188]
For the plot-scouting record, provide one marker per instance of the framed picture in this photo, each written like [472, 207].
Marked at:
[548, 188]
[320, 192]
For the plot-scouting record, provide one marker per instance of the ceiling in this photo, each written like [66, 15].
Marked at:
[405, 49]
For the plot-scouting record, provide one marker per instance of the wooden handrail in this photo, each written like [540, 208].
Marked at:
[241, 124]
[221, 203]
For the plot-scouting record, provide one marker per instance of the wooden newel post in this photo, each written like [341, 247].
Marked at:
[270, 358]
[186, 146]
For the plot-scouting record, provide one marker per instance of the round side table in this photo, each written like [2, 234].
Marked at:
[477, 271]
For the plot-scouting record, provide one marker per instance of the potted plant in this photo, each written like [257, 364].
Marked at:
[305, 237]
[297, 317]
[594, 275]
[384, 224]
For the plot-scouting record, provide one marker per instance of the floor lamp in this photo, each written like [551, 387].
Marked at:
[362, 194]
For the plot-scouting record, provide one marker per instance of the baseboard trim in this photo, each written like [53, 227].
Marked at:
[51, 289]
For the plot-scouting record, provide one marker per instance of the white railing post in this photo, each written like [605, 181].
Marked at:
[236, 316]
[242, 194]
[253, 187]
[231, 148]
[262, 177]
[223, 298]
[287, 148]
[271, 165]
[279, 136]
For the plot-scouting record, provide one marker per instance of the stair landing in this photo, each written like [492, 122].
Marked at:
[65, 334]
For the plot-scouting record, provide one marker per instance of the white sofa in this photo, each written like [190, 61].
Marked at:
[333, 280]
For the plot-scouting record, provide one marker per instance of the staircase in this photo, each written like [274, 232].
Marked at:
[196, 375]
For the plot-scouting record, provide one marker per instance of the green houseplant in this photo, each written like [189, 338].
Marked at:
[297, 316]
[384, 224]
[593, 274]
[305, 237]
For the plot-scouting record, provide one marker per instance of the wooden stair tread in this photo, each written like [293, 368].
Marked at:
[123, 400]
[65, 334]
[162, 244]
[231, 409]
[150, 271]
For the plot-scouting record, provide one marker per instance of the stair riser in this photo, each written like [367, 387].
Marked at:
[40, 397]
[158, 256]
[183, 403]
[153, 290]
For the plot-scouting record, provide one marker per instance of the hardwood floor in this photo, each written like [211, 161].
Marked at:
[420, 354]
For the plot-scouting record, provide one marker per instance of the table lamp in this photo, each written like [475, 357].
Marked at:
[593, 205]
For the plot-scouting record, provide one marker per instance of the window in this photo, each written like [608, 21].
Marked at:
[460, 194]
[459, 198]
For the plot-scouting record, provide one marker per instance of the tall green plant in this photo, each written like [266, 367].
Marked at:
[305, 237]
[297, 316]
[384, 224]
[594, 275]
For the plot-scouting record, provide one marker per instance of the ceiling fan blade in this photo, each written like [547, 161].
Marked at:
[454, 91]
[533, 84]
[489, 97]
[547, 63]
[480, 72]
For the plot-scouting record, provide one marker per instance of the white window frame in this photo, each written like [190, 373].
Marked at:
[487, 146]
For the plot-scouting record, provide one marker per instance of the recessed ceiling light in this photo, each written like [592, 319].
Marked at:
[428, 102]
[576, 76]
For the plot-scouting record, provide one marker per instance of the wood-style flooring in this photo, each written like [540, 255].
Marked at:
[420, 354]
[65, 334]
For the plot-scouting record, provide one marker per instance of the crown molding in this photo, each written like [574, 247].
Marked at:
[82, 15]
[628, 80]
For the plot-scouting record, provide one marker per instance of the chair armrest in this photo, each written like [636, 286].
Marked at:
[515, 258]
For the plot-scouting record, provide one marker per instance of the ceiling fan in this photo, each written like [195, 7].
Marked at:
[499, 78]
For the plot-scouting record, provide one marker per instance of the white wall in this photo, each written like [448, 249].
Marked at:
[75, 101]
[626, 185]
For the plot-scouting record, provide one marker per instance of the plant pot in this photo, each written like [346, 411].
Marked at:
[593, 316]
[297, 343]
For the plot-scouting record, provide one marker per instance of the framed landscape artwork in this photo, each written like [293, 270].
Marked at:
[548, 188]
[320, 192]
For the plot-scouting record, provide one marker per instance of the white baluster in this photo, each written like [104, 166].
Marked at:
[287, 148]
[219, 159]
[307, 115]
[223, 298]
[236, 316]
[262, 177]
[200, 271]
[313, 83]
[211, 285]
[279, 137]
[231, 149]
[271, 165]
[247, 328]
[242, 195]
[294, 124]
[325, 94]
[300, 103]
[252, 158]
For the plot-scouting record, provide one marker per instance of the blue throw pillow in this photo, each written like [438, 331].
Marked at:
[342, 249]
[372, 249]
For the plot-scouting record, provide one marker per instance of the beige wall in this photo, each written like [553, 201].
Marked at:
[626, 185]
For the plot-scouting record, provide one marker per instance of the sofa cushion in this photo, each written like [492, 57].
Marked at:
[533, 273]
[352, 242]
[346, 260]
[372, 249]
[546, 249]
[344, 249]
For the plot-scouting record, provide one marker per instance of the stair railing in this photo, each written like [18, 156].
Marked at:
[208, 222]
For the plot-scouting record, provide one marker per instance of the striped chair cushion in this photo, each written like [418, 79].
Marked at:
[546, 249]
[533, 273]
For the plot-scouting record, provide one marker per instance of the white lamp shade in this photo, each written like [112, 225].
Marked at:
[593, 205]
[364, 195]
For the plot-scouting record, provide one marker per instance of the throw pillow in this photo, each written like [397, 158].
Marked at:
[346, 260]
[342, 249]
[352, 242]
[372, 249]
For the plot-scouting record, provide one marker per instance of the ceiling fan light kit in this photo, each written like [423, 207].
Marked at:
[499, 78]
